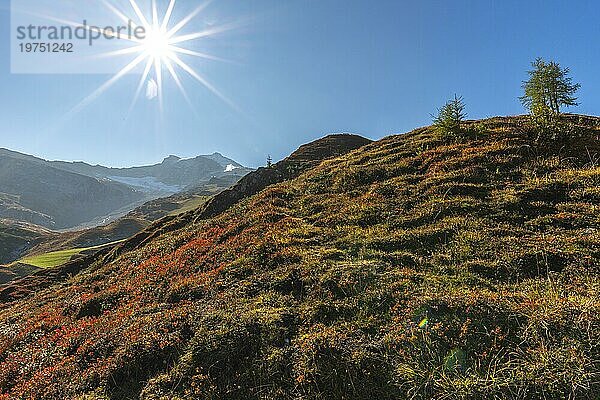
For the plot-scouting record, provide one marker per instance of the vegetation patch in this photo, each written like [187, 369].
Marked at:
[56, 258]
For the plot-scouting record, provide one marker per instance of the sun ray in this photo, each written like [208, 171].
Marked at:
[125, 70]
[139, 13]
[203, 81]
[118, 13]
[187, 19]
[154, 15]
[180, 85]
[140, 86]
[168, 14]
[128, 50]
[204, 33]
[159, 82]
[198, 54]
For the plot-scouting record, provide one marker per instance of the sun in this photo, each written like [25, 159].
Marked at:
[160, 52]
[157, 45]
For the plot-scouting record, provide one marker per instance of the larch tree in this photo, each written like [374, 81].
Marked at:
[549, 88]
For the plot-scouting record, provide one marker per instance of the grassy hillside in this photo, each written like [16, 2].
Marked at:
[51, 259]
[408, 269]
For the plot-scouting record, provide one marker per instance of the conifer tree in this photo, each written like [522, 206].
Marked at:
[548, 89]
[449, 118]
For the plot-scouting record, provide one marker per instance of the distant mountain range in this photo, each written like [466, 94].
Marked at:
[65, 195]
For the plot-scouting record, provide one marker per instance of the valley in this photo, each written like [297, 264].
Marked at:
[177, 186]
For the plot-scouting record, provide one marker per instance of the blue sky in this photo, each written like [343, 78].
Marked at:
[305, 68]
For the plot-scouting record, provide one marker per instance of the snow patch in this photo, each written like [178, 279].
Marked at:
[148, 184]
[230, 167]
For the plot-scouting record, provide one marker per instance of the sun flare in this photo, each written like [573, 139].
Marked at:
[157, 45]
[161, 52]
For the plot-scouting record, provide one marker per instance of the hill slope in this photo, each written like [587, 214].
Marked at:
[409, 268]
[209, 199]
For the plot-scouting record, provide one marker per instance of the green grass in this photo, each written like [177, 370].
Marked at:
[191, 204]
[51, 259]
[57, 258]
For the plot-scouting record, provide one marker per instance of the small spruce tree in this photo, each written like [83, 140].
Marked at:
[449, 118]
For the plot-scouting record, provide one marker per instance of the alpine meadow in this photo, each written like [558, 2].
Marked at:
[355, 242]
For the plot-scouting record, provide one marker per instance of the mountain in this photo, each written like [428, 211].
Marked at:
[32, 191]
[409, 267]
[63, 195]
[172, 175]
[17, 237]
